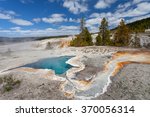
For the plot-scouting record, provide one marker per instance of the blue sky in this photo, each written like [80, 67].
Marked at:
[61, 17]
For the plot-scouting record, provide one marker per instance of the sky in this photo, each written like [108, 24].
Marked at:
[24, 18]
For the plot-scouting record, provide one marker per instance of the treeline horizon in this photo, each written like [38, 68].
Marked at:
[121, 34]
[138, 26]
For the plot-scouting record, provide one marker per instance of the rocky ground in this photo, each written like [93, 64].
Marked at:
[132, 82]
[32, 88]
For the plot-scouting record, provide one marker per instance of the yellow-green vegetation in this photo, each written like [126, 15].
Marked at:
[84, 38]
[140, 25]
[103, 37]
[8, 82]
[122, 35]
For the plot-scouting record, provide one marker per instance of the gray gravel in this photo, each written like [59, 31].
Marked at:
[131, 83]
[93, 65]
[31, 89]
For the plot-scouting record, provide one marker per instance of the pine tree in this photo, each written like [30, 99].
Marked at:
[82, 24]
[88, 37]
[103, 37]
[84, 38]
[122, 35]
[98, 40]
[82, 28]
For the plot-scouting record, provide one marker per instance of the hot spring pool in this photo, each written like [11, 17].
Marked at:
[58, 64]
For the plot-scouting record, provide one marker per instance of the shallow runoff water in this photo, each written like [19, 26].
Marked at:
[58, 64]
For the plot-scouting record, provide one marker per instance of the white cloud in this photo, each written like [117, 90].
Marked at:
[74, 20]
[133, 10]
[125, 5]
[71, 20]
[16, 28]
[93, 15]
[37, 20]
[93, 21]
[138, 18]
[69, 27]
[10, 13]
[5, 14]
[76, 6]
[55, 18]
[63, 30]
[96, 18]
[129, 5]
[21, 22]
[10, 16]
[141, 9]
[101, 15]
[102, 4]
[56, 15]
[137, 1]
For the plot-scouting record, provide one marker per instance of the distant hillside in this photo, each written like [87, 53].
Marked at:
[50, 37]
[138, 26]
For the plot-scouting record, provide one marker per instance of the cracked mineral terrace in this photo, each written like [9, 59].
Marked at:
[92, 76]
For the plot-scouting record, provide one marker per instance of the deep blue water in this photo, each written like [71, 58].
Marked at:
[58, 64]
